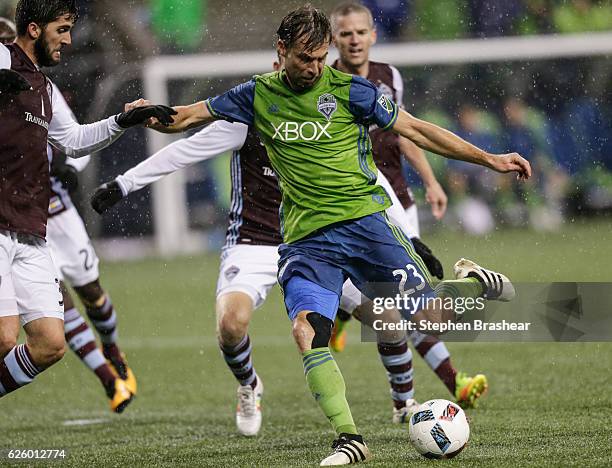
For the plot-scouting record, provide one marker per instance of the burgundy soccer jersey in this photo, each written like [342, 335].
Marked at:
[24, 168]
[256, 198]
[385, 144]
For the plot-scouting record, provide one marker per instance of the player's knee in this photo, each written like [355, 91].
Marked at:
[47, 354]
[312, 330]
[232, 324]
[232, 328]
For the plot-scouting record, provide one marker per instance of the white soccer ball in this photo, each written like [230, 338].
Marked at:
[439, 429]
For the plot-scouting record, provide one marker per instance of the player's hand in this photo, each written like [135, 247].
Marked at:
[67, 175]
[431, 262]
[512, 162]
[106, 196]
[435, 196]
[137, 103]
[13, 83]
[141, 115]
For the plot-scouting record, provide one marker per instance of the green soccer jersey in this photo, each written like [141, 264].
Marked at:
[318, 143]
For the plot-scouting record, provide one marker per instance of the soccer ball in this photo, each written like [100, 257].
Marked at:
[439, 429]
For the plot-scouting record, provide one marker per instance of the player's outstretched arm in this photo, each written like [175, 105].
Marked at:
[194, 115]
[76, 140]
[445, 143]
[208, 143]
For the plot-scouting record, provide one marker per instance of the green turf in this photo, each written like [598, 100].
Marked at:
[549, 404]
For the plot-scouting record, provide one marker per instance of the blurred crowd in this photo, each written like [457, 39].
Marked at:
[558, 114]
[570, 153]
[450, 19]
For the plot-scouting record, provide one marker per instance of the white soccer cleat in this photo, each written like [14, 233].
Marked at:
[348, 449]
[402, 415]
[497, 286]
[248, 411]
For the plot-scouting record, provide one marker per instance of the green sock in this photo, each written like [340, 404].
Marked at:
[466, 287]
[327, 387]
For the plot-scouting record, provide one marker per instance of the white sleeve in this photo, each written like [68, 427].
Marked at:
[213, 140]
[5, 58]
[398, 84]
[76, 140]
[80, 163]
[396, 212]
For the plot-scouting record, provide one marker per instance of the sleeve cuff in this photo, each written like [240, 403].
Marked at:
[393, 119]
[123, 185]
[114, 126]
[210, 109]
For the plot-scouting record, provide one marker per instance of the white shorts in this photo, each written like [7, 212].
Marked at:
[73, 254]
[29, 286]
[250, 269]
[406, 219]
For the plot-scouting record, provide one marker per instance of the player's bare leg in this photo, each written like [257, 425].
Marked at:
[45, 341]
[44, 346]
[103, 317]
[234, 312]
[82, 341]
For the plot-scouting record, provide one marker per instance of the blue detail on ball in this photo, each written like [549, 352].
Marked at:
[426, 415]
[440, 437]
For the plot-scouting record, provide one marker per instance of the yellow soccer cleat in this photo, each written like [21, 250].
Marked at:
[123, 372]
[130, 380]
[121, 398]
[469, 389]
[337, 342]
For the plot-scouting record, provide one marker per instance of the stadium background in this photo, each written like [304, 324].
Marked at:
[547, 404]
[557, 113]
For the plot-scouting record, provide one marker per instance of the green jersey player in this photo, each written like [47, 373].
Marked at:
[313, 121]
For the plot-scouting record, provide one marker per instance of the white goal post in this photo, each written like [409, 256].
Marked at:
[170, 219]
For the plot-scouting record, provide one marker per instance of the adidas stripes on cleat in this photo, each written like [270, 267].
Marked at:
[497, 286]
[348, 449]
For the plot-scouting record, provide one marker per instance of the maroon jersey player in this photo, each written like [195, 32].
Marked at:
[29, 288]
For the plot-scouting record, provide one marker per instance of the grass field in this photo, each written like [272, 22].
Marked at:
[549, 404]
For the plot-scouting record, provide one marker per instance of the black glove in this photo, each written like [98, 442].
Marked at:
[105, 196]
[67, 175]
[13, 83]
[431, 262]
[140, 115]
[63, 172]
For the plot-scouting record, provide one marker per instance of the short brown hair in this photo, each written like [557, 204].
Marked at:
[308, 23]
[346, 8]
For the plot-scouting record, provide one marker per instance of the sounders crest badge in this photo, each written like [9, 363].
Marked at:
[327, 105]
[385, 103]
